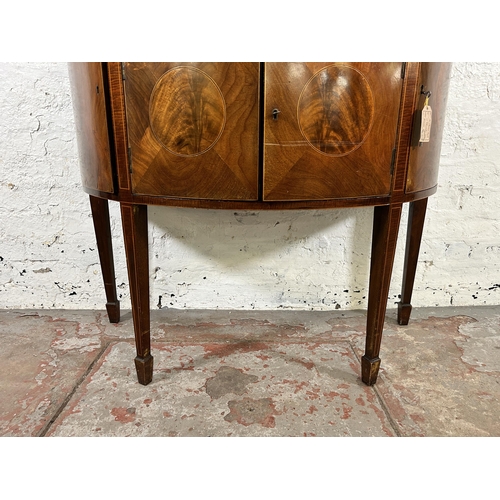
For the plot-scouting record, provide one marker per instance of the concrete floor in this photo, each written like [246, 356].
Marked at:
[250, 373]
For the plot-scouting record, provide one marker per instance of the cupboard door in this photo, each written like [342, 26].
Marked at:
[329, 129]
[88, 94]
[193, 129]
[424, 156]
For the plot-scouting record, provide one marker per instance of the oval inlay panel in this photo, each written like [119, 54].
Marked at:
[335, 110]
[187, 111]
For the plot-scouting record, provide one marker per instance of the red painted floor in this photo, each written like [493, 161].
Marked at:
[250, 373]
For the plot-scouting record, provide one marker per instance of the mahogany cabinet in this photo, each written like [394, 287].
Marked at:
[260, 136]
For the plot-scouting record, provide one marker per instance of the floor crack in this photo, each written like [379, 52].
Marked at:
[68, 398]
[385, 409]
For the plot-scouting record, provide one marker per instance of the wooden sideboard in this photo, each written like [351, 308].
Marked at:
[259, 136]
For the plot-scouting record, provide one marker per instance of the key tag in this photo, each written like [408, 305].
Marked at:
[425, 127]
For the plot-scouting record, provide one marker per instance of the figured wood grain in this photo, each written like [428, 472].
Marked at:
[335, 110]
[187, 111]
[199, 140]
[89, 105]
[318, 147]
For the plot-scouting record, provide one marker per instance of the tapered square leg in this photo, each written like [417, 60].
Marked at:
[416, 219]
[135, 232]
[100, 216]
[385, 234]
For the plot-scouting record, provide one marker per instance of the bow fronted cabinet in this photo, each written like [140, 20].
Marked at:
[260, 136]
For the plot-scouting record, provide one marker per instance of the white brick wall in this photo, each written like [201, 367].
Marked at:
[223, 259]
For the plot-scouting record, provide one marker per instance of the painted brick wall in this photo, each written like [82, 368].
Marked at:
[234, 260]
